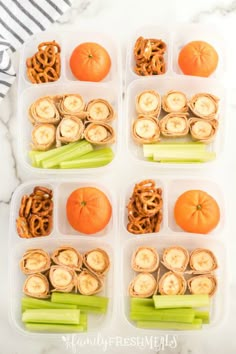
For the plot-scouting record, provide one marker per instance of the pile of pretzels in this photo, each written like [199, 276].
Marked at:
[145, 208]
[36, 213]
[149, 56]
[45, 65]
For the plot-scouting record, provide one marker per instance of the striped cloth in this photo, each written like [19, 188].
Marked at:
[20, 19]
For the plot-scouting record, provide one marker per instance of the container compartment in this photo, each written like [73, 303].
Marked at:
[17, 278]
[87, 91]
[63, 226]
[219, 300]
[190, 86]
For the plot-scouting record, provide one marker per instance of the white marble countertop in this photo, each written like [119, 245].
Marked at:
[120, 18]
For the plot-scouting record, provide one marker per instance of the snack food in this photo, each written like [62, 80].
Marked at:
[88, 210]
[174, 124]
[145, 259]
[89, 283]
[203, 284]
[97, 261]
[68, 256]
[198, 58]
[203, 130]
[204, 105]
[45, 64]
[174, 101]
[203, 260]
[175, 258]
[90, 62]
[36, 285]
[99, 133]
[145, 208]
[143, 285]
[149, 56]
[148, 102]
[36, 213]
[196, 211]
[172, 283]
[145, 129]
[35, 260]
[100, 110]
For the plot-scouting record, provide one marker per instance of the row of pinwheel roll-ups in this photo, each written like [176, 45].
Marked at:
[197, 116]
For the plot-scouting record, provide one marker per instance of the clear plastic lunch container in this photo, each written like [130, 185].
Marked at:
[62, 234]
[108, 89]
[175, 38]
[171, 234]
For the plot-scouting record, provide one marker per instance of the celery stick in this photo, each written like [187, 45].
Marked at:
[81, 300]
[169, 315]
[173, 155]
[28, 303]
[92, 309]
[80, 149]
[174, 301]
[43, 155]
[96, 158]
[143, 302]
[196, 324]
[83, 321]
[203, 315]
[150, 149]
[54, 328]
[56, 316]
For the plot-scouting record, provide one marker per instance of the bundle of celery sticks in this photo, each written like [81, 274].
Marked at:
[63, 313]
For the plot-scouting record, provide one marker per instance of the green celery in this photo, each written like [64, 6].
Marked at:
[81, 148]
[150, 149]
[203, 315]
[92, 309]
[184, 301]
[28, 303]
[169, 315]
[39, 156]
[54, 328]
[173, 155]
[81, 300]
[95, 158]
[83, 321]
[196, 324]
[56, 316]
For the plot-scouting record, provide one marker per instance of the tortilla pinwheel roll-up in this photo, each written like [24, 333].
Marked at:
[72, 105]
[174, 125]
[36, 285]
[99, 133]
[70, 129]
[68, 256]
[145, 129]
[148, 103]
[204, 105]
[35, 260]
[145, 259]
[143, 285]
[44, 110]
[203, 130]
[175, 258]
[97, 261]
[43, 136]
[100, 110]
[62, 278]
[172, 284]
[174, 101]
[205, 284]
[203, 261]
[89, 283]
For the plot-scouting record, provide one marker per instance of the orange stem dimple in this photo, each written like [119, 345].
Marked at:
[199, 207]
[83, 203]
